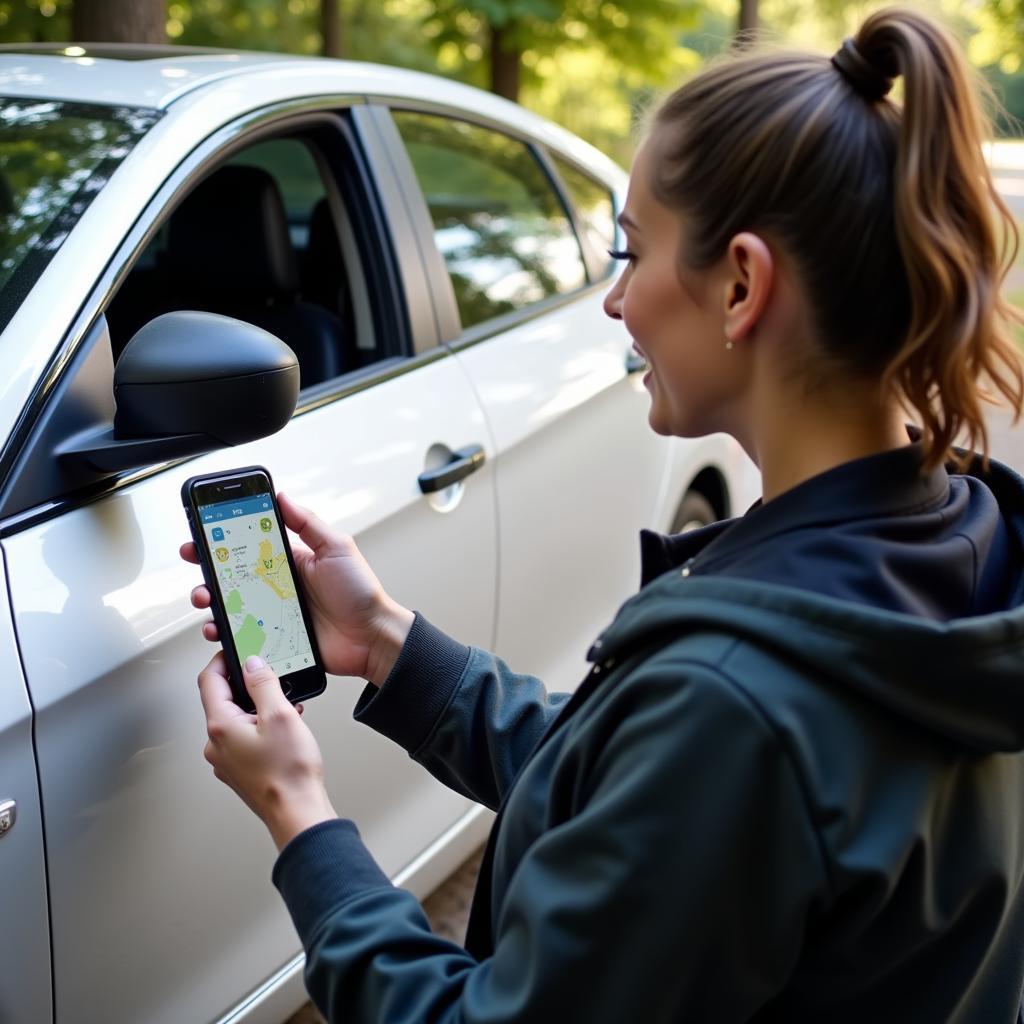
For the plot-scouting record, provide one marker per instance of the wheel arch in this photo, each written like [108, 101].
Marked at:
[710, 483]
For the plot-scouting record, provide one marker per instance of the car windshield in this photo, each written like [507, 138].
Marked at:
[54, 159]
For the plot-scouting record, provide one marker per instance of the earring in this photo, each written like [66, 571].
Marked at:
[728, 342]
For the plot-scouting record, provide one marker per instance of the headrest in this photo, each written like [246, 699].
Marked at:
[323, 268]
[323, 235]
[230, 235]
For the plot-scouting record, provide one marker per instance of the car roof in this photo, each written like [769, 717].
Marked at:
[124, 75]
[135, 75]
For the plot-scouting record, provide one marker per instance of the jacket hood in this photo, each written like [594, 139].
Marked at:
[962, 679]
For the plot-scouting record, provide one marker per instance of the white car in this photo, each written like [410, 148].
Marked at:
[435, 257]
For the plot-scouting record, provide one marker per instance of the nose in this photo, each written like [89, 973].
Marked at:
[613, 300]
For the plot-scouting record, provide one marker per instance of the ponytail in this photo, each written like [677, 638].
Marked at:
[956, 253]
[888, 209]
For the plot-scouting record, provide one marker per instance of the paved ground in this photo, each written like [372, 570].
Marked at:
[448, 911]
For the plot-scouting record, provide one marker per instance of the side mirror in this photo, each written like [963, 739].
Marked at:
[189, 383]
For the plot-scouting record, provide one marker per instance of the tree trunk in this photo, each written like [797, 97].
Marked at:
[504, 64]
[330, 28]
[119, 21]
[748, 22]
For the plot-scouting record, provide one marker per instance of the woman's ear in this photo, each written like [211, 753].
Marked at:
[750, 270]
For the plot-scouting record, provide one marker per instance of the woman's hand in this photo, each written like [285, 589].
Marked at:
[359, 629]
[270, 759]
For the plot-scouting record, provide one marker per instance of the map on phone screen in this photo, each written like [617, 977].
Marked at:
[255, 582]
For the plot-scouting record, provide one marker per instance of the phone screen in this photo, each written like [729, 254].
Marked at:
[254, 578]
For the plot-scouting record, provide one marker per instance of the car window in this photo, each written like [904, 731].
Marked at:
[292, 166]
[261, 239]
[54, 159]
[594, 207]
[498, 221]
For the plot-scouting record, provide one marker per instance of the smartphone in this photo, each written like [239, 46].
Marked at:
[257, 598]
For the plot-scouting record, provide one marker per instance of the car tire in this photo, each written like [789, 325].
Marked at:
[694, 512]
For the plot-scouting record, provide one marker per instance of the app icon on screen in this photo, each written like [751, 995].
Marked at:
[218, 533]
[266, 525]
[222, 554]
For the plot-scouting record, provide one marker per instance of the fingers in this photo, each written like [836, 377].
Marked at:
[215, 691]
[312, 530]
[201, 599]
[200, 596]
[264, 687]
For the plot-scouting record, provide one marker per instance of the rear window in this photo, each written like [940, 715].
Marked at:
[498, 221]
[595, 208]
[54, 158]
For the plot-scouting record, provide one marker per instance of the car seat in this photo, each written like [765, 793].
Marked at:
[229, 252]
[324, 280]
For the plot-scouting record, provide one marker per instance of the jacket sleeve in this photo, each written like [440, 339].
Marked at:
[677, 890]
[460, 712]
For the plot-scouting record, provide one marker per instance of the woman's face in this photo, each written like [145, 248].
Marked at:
[676, 318]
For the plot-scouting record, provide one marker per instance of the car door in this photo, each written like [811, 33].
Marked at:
[162, 909]
[25, 995]
[578, 469]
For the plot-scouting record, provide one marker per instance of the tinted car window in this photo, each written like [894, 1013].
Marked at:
[594, 206]
[54, 159]
[498, 221]
[292, 166]
[256, 239]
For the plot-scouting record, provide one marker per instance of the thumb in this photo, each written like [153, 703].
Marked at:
[312, 530]
[263, 685]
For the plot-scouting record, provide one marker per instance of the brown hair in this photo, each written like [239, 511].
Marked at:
[888, 209]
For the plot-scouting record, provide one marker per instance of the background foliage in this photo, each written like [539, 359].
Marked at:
[591, 65]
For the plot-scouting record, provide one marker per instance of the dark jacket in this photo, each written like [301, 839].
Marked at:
[773, 802]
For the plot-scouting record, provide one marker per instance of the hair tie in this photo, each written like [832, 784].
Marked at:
[865, 78]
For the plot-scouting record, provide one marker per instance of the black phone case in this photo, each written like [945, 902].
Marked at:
[235, 677]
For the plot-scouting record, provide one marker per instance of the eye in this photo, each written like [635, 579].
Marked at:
[621, 254]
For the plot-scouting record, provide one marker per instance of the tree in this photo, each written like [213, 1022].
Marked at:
[119, 21]
[507, 36]
[506, 60]
[21, 22]
[330, 28]
[748, 20]
[1008, 15]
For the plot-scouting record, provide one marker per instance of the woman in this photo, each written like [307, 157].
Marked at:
[792, 786]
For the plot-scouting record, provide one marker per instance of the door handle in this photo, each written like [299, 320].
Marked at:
[463, 462]
[8, 814]
[635, 363]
